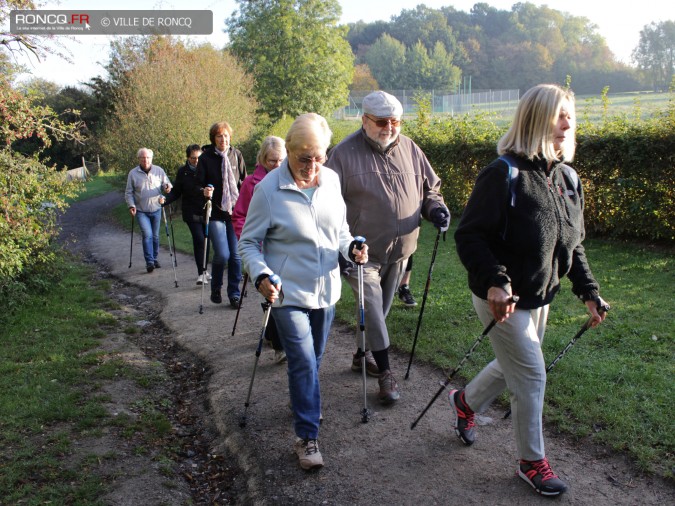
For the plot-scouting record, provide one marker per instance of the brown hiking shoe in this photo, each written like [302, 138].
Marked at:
[388, 393]
[371, 365]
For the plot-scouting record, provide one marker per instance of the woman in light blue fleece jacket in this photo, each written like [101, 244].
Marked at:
[298, 217]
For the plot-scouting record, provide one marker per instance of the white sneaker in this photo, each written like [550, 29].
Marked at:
[202, 280]
[208, 276]
[279, 356]
[308, 453]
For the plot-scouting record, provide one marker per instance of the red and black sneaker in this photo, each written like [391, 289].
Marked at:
[541, 478]
[464, 417]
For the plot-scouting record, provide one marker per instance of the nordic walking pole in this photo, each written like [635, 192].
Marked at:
[365, 414]
[267, 307]
[243, 291]
[207, 217]
[514, 298]
[173, 238]
[131, 246]
[424, 300]
[604, 308]
[171, 252]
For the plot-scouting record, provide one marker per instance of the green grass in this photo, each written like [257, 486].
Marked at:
[50, 375]
[643, 105]
[589, 108]
[102, 183]
[43, 384]
[614, 387]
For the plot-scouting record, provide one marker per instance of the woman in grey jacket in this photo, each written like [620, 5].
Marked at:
[295, 228]
[520, 236]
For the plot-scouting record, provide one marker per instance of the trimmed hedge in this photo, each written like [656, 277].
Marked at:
[627, 169]
[627, 165]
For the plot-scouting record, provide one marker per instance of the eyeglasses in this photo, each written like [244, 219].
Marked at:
[306, 160]
[384, 122]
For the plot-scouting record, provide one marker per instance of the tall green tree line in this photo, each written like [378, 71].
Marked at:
[514, 48]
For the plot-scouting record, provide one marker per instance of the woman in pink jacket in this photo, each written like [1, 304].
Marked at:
[272, 153]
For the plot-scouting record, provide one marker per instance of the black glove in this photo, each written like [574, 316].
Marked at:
[440, 217]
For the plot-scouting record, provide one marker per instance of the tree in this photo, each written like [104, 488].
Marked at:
[297, 53]
[362, 35]
[424, 25]
[386, 59]
[655, 54]
[170, 100]
[444, 74]
[363, 79]
[418, 68]
[27, 224]
[520, 47]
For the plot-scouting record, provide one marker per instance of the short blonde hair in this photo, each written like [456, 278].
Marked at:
[308, 132]
[531, 133]
[270, 144]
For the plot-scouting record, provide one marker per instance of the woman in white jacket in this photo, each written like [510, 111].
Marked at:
[295, 228]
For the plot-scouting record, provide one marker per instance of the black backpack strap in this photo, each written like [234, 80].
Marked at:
[511, 180]
[511, 177]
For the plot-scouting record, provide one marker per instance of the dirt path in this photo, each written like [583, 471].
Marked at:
[382, 461]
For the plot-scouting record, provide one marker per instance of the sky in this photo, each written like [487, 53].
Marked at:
[619, 22]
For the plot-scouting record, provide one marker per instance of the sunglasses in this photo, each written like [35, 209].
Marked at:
[384, 122]
[306, 160]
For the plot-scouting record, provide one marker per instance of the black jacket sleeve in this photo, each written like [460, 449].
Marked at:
[481, 224]
[177, 189]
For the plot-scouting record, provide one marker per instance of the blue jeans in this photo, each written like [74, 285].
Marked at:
[197, 232]
[224, 241]
[149, 225]
[303, 334]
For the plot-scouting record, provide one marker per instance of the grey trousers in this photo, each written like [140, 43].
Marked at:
[519, 366]
[380, 282]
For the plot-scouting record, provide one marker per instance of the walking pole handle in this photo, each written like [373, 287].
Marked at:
[359, 240]
[602, 308]
[207, 212]
[276, 282]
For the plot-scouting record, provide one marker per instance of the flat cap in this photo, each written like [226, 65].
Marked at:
[382, 105]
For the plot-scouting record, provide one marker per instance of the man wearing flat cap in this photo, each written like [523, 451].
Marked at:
[387, 184]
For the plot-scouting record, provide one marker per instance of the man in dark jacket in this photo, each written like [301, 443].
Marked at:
[387, 183]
